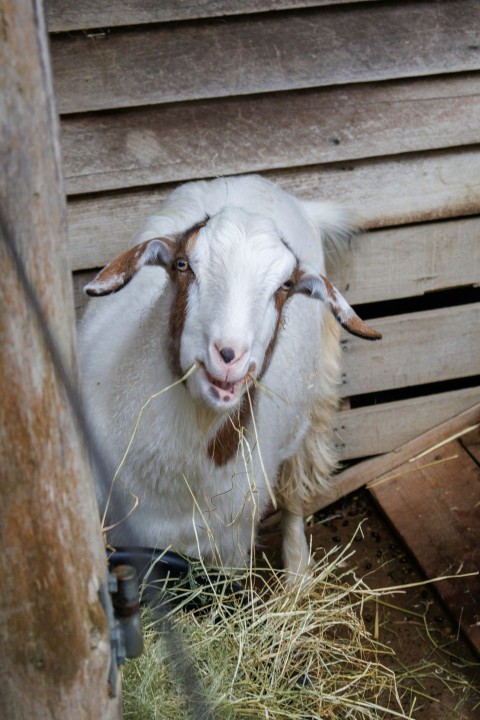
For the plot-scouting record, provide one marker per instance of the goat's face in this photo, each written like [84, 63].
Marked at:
[230, 277]
[239, 273]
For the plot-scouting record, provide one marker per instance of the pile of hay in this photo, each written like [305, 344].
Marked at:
[267, 652]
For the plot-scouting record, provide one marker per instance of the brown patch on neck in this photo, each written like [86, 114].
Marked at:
[223, 446]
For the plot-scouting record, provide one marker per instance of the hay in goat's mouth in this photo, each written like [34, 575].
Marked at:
[270, 652]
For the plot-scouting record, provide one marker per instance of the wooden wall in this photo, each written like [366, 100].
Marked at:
[374, 104]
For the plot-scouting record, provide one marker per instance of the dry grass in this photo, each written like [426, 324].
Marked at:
[268, 652]
[272, 652]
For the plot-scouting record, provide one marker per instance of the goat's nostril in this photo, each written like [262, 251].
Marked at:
[228, 354]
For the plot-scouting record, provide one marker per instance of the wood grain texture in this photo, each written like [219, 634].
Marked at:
[471, 442]
[435, 511]
[408, 261]
[381, 466]
[265, 53]
[381, 428]
[417, 348]
[383, 192]
[53, 630]
[105, 151]
[63, 15]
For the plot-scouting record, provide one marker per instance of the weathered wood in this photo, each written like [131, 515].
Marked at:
[65, 15]
[435, 511]
[416, 348]
[366, 472]
[412, 260]
[378, 429]
[471, 442]
[398, 190]
[246, 134]
[403, 189]
[55, 645]
[381, 265]
[265, 53]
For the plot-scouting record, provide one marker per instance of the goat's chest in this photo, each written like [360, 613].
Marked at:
[187, 501]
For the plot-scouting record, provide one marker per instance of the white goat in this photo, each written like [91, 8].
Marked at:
[221, 281]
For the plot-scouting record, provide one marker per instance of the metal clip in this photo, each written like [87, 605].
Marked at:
[126, 606]
[120, 600]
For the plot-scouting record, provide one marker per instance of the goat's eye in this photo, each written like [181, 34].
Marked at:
[287, 285]
[181, 264]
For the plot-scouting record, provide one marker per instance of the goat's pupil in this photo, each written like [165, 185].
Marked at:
[181, 264]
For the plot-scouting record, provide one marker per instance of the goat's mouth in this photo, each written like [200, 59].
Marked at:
[226, 392]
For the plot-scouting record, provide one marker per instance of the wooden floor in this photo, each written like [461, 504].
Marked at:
[414, 514]
[429, 489]
[433, 501]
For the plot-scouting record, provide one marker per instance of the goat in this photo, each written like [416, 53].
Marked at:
[218, 287]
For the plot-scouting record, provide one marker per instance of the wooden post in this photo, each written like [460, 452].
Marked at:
[54, 643]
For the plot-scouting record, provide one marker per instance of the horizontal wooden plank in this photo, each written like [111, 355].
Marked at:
[403, 189]
[395, 191]
[105, 151]
[265, 53]
[63, 15]
[412, 260]
[434, 510]
[400, 262]
[417, 348]
[381, 428]
[381, 466]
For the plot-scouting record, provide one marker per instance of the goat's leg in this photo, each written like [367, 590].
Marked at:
[296, 553]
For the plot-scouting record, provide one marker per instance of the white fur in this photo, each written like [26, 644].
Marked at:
[185, 501]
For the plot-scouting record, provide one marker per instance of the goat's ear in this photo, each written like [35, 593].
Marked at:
[320, 287]
[120, 271]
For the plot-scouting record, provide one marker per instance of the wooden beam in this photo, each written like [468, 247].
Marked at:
[433, 505]
[55, 642]
[65, 15]
[403, 189]
[379, 429]
[105, 151]
[363, 473]
[416, 348]
[407, 261]
[263, 53]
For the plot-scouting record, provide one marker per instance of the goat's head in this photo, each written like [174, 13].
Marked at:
[230, 278]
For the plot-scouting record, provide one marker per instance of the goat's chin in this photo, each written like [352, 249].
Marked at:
[218, 397]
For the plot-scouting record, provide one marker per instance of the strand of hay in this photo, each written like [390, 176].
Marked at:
[270, 652]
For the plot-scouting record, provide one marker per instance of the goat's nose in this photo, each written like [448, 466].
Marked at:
[227, 354]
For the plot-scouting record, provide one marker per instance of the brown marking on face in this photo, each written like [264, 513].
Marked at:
[281, 297]
[223, 446]
[182, 281]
